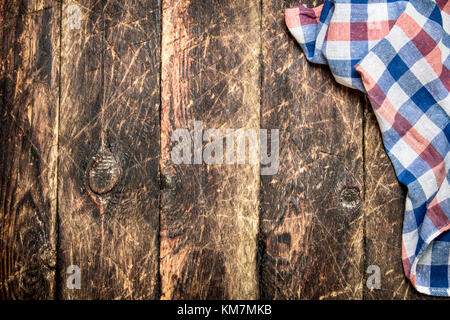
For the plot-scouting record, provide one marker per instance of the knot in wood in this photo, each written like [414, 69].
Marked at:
[48, 257]
[103, 172]
[350, 197]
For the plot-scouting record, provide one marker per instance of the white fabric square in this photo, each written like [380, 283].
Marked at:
[410, 242]
[374, 66]
[397, 96]
[403, 153]
[428, 183]
[377, 12]
[427, 128]
[338, 50]
[423, 71]
[342, 12]
[399, 38]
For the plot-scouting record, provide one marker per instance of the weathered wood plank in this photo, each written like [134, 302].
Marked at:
[109, 149]
[311, 223]
[29, 77]
[209, 215]
[13, 8]
[384, 209]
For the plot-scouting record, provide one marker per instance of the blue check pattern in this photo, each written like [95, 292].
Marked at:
[399, 53]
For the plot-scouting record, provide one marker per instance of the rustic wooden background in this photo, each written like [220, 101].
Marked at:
[102, 97]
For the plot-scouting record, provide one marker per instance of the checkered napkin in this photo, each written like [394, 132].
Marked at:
[399, 53]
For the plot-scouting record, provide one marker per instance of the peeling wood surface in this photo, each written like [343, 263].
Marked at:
[88, 108]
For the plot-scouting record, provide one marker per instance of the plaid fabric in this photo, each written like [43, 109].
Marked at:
[399, 53]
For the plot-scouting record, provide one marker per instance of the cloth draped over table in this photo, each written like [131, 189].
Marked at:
[399, 53]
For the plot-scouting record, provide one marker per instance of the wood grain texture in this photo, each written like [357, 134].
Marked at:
[29, 77]
[14, 8]
[311, 223]
[209, 215]
[87, 112]
[109, 149]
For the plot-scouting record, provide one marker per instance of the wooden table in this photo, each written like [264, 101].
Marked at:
[91, 92]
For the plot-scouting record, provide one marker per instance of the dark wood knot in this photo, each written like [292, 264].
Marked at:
[350, 197]
[48, 257]
[104, 171]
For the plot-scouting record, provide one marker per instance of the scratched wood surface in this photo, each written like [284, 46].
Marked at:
[311, 222]
[210, 73]
[29, 76]
[109, 148]
[91, 93]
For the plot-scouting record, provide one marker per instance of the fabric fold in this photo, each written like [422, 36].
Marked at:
[398, 52]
